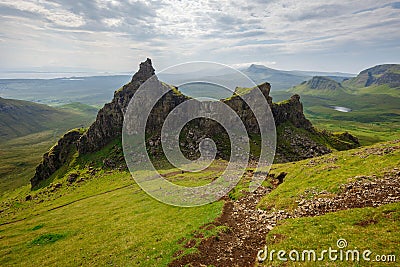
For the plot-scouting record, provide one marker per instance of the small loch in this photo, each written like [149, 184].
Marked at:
[341, 109]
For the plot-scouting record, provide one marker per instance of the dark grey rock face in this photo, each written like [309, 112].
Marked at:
[388, 74]
[56, 157]
[323, 83]
[110, 118]
[291, 111]
[109, 123]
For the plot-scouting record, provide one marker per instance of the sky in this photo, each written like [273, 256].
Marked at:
[114, 36]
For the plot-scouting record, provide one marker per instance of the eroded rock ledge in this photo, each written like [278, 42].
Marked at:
[292, 144]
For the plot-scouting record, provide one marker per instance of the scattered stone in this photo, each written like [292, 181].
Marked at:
[72, 177]
[249, 225]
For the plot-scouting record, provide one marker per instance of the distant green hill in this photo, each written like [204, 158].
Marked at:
[388, 74]
[381, 79]
[319, 85]
[27, 130]
[367, 106]
[19, 118]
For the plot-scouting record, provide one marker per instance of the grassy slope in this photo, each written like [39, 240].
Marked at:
[328, 173]
[19, 118]
[322, 232]
[105, 220]
[20, 155]
[125, 227]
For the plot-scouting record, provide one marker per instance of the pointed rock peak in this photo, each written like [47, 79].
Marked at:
[255, 67]
[265, 88]
[145, 71]
[295, 98]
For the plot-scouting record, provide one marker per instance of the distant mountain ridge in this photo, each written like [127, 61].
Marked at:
[388, 74]
[323, 83]
[94, 90]
[381, 75]
[281, 80]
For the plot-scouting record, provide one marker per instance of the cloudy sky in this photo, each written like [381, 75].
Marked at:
[114, 36]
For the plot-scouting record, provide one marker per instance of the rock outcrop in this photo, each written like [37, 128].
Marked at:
[323, 83]
[109, 123]
[56, 157]
[388, 74]
[110, 118]
[291, 111]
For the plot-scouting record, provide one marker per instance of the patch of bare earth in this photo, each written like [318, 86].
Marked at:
[248, 225]
[239, 245]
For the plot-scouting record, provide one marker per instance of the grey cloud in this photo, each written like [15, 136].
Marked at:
[137, 16]
[322, 11]
[394, 5]
[197, 29]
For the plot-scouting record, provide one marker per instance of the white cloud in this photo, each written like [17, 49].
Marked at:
[113, 22]
[174, 31]
[52, 12]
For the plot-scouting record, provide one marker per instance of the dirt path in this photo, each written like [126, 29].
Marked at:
[248, 225]
[238, 246]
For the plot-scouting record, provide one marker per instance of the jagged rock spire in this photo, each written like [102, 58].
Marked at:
[109, 121]
[145, 71]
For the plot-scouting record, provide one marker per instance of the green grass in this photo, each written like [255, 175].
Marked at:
[367, 133]
[327, 173]
[381, 235]
[376, 229]
[47, 239]
[107, 220]
[80, 108]
[19, 156]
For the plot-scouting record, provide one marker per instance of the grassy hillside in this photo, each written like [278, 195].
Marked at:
[103, 218]
[328, 172]
[124, 227]
[375, 229]
[38, 128]
[19, 118]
